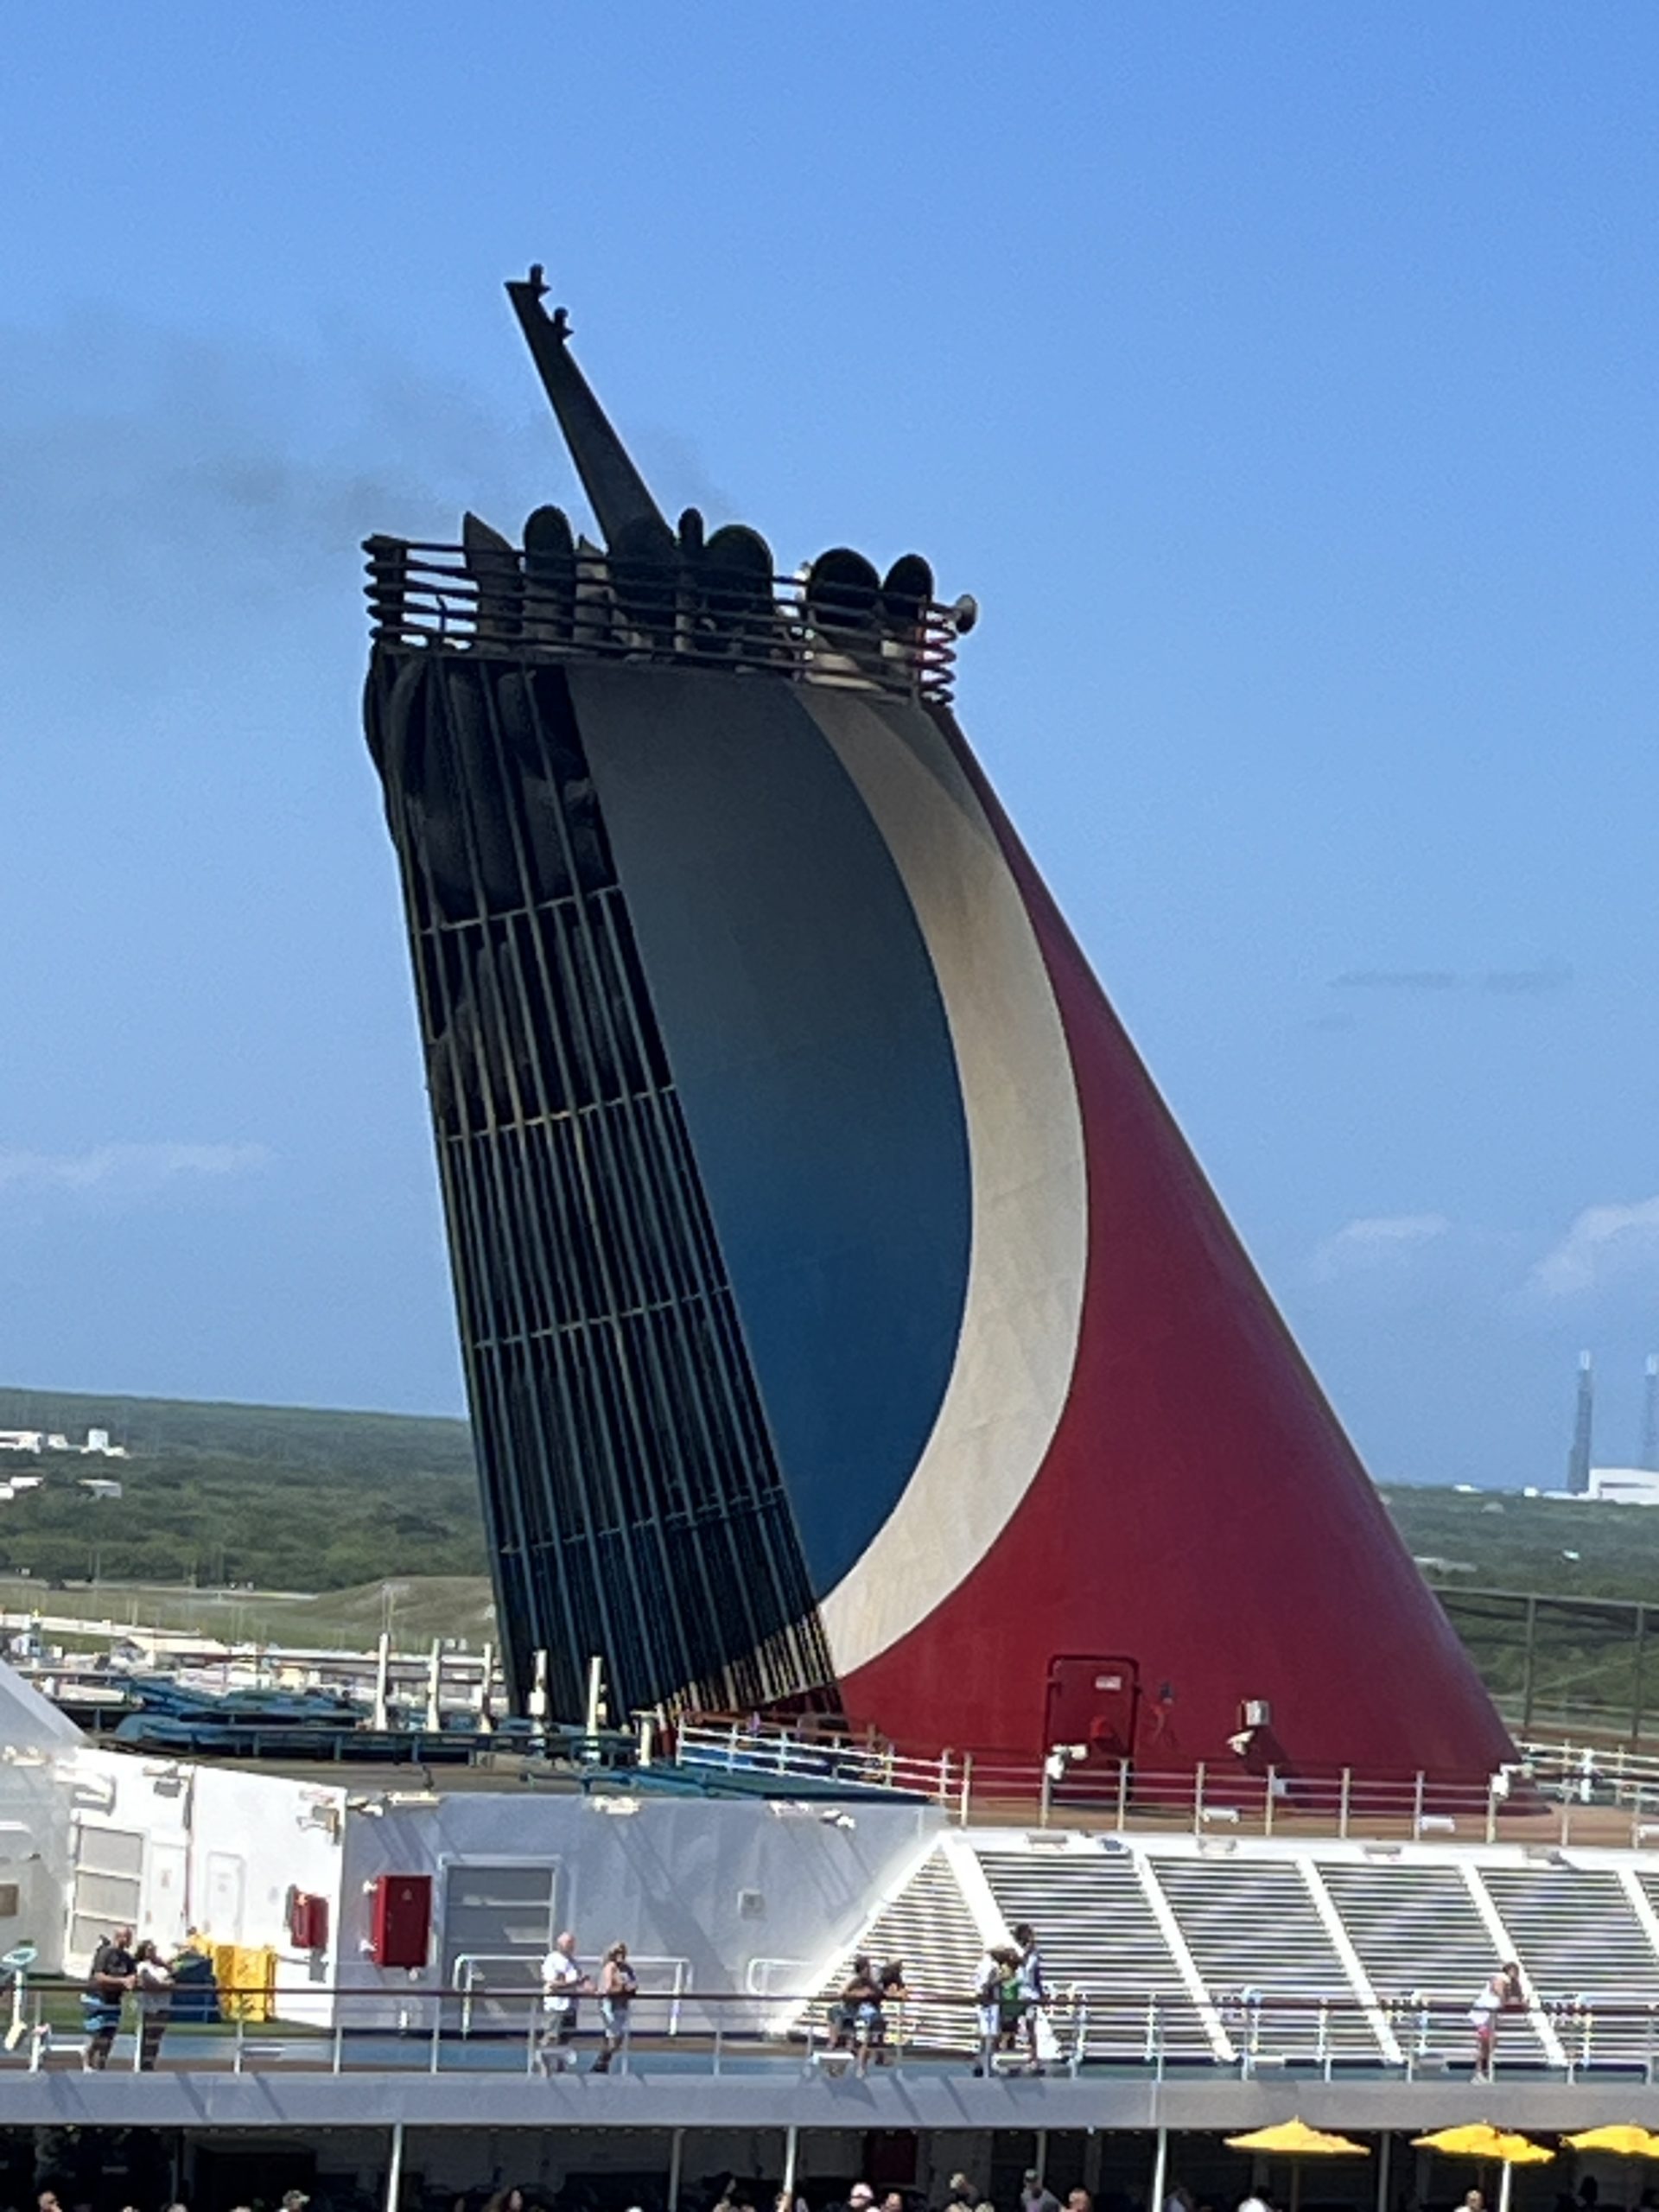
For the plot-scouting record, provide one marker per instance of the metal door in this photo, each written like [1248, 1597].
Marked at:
[1092, 1708]
[165, 1876]
[498, 1925]
[106, 1889]
[226, 1876]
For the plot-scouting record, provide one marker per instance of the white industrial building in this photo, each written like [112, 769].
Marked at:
[97, 1445]
[1624, 1486]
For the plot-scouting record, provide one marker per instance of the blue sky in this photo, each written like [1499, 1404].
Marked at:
[1280, 380]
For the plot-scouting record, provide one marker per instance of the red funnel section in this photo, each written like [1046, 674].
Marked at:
[1200, 1537]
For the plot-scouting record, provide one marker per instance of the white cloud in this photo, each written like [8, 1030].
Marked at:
[1374, 1242]
[1603, 1242]
[125, 1171]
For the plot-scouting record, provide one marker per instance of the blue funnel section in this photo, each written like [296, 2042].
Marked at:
[813, 1064]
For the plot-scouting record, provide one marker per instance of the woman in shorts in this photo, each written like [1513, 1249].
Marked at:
[617, 1985]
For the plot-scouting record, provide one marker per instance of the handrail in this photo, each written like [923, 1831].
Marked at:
[1121, 2024]
[433, 595]
[1128, 1991]
[469, 1983]
[1551, 1788]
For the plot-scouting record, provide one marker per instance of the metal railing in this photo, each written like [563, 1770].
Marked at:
[1118, 2029]
[1557, 1793]
[478, 1980]
[671, 610]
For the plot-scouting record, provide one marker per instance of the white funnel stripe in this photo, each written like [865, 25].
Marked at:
[1024, 1306]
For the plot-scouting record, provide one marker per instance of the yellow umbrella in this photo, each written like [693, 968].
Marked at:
[1624, 2141]
[1295, 2138]
[1477, 2139]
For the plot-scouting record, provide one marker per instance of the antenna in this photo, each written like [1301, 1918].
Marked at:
[616, 491]
[1577, 1465]
[1649, 1455]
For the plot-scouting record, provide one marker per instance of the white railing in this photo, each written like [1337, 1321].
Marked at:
[1553, 1790]
[768, 1978]
[1081, 2025]
[471, 1977]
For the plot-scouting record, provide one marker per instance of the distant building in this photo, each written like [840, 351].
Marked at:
[96, 1446]
[100, 1485]
[1625, 1486]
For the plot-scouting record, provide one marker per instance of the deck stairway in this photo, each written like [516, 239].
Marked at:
[1319, 1957]
[1580, 1943]
[1257, 1938]
[929, 1928]
[1421, 1937]
[1099, 1932]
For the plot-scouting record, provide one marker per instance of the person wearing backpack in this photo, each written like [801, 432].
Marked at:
[990, 1978]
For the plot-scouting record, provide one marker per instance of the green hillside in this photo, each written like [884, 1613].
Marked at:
[1568, 1546]
[302, 1499]
[287, 1498]
[286, 1436]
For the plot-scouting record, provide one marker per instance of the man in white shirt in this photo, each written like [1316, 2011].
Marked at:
[562, 1983]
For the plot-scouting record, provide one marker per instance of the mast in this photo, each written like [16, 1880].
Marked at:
[616, 492]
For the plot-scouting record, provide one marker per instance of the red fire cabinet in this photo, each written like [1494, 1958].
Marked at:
[308, 1921]
[401, 1928]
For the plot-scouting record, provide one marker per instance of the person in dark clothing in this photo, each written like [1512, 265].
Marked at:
[1033, 1993]
[889, 1989]
[111, 1976]
[1034, 2196]
[195, 1990]
[843, 2012]
[861, 2002]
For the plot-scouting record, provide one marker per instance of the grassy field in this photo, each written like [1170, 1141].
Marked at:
[415, 1608]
